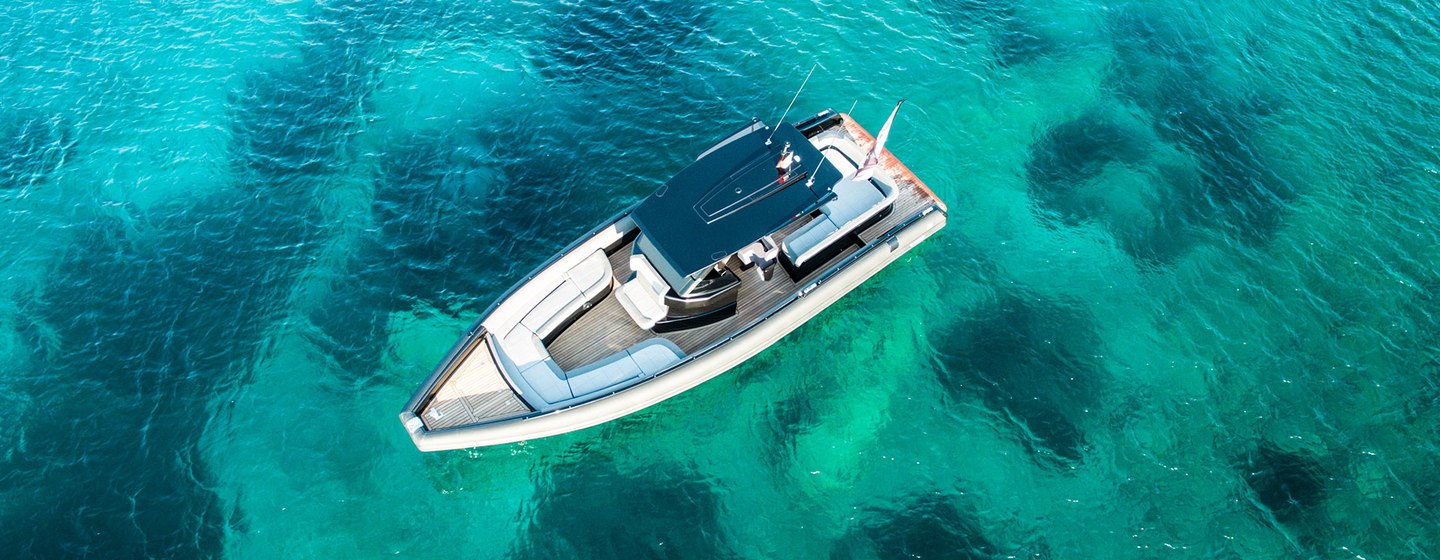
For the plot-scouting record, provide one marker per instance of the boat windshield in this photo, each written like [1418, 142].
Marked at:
[647, 249]
[681, 283]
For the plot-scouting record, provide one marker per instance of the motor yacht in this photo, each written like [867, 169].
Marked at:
[760, 233]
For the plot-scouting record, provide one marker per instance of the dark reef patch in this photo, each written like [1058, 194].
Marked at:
[594, 509]
[1164, 69]
[428, 246]
[450, 213]
[156, 320]
[1288, 484]
[151, 329]
[33, 146]
[1019, 43]
[924, 526]
[1157, 59]
[464, 212]
[788, 419]
[1152, 225]
[1072, 153]
[1239, 190]
[1032, 360]
[628, 53]
[962, 18]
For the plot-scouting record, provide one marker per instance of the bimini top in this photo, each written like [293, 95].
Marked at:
[732, 196]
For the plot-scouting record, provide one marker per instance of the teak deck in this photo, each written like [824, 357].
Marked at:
[475, 392]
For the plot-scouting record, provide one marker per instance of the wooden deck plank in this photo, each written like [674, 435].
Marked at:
[474, 392]
[603, 330]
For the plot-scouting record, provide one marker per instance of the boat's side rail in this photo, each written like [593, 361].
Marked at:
[818, 122]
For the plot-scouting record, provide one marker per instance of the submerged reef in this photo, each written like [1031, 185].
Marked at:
[1032, 360]
[1073, 153]
[458, 216]
[594, 509]
[33, 146]
[788, 420]
[1163, 99]
[157, 317]
[1012, 38]
[1286, 483]
[1165, 69]
[928, 525]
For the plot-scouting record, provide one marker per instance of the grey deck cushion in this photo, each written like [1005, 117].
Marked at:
[522, 350]
[809, 239]
[609, 371]
[854, 203]
[583, 284]
[618, 370]
[522, 347]
[534, 374]
[545, 379]
[654, 355]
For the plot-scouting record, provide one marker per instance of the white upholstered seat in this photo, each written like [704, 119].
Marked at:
[643, 296]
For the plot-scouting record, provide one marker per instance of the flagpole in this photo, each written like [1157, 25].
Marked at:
[872, 160]
[792, 103]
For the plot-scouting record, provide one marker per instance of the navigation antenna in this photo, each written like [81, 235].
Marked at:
[792, 104]
[811, 181]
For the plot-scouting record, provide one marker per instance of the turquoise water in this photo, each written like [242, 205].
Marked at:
[1185, 305]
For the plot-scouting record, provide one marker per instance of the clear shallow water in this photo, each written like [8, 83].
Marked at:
[1185, 306]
